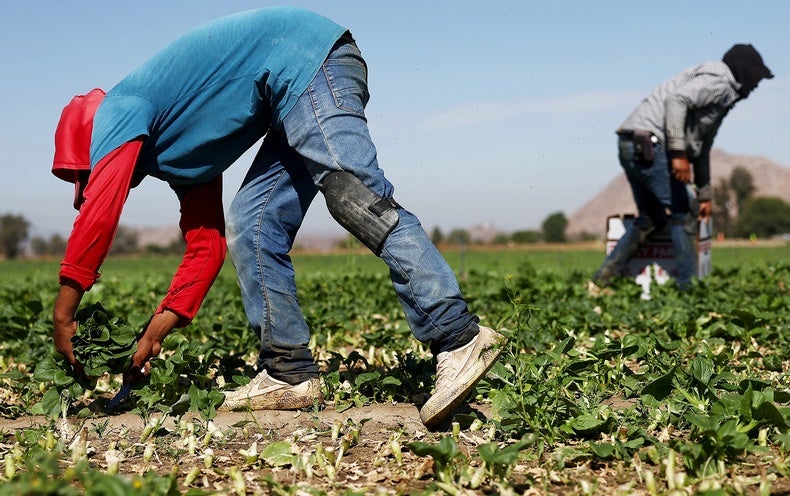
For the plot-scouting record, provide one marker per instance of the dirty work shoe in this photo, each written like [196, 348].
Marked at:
[604, 275]
[458, 371]
[266, 393]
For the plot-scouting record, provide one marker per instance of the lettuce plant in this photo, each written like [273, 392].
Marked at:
[104, 344]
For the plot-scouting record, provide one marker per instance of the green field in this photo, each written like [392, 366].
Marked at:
[562, 259]
[559, 258]
[680, 393]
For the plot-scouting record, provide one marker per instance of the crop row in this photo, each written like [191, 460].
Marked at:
[684, 391]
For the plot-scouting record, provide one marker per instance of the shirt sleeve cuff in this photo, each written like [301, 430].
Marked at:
[85, 278]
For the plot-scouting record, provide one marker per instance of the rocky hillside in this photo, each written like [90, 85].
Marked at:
[770, 179]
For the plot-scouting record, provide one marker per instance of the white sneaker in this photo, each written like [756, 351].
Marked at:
[458, 371]
[266, 393]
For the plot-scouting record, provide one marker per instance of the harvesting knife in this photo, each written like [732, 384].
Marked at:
[119, 397]
[128, 379]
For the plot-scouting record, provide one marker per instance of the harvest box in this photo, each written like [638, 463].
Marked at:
[655, 260]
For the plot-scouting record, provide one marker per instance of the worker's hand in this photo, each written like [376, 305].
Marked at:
[681, 169]
[705, 209]
[64, 325]
[149, 345]
[141, 360]
[63, 332]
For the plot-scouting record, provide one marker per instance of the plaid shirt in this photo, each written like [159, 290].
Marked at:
[685, 112]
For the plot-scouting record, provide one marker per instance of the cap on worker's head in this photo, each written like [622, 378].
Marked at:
[73, 141]
[747, 66]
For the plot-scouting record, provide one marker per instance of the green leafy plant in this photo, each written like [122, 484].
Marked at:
[104, 344]
[447, 458]
[684, 392]
[499, 460]
[181, 380]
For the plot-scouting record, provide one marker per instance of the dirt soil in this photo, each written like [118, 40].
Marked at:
[369, 466]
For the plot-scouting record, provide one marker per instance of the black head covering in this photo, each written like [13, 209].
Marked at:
[747, 67]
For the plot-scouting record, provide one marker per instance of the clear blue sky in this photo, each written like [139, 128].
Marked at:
[497, 112]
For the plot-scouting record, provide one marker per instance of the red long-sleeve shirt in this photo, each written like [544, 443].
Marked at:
[202, 225]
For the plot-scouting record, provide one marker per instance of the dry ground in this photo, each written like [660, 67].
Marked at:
[368, 467]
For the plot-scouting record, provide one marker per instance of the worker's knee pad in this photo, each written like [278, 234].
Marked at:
[363, 213]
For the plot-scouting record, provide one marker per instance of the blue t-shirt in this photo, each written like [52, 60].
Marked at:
[207, 97]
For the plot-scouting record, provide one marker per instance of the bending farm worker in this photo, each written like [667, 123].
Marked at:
[668, 134]
[299, 81]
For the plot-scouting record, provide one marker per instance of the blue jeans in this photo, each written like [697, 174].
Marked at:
[327, 131]
[660, 200]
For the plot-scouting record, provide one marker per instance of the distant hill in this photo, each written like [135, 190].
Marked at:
[770, 179]
[157, 236]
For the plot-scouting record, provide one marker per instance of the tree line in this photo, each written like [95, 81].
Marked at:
[737, 213]
[552, 231]
[15, 241]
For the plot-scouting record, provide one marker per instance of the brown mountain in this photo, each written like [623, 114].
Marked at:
[770, 179]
